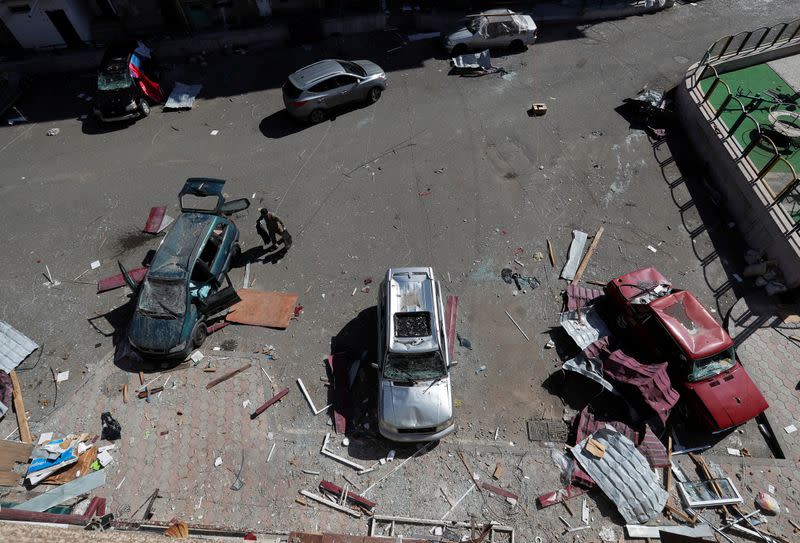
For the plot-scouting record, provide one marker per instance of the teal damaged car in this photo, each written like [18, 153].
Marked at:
[187, 281]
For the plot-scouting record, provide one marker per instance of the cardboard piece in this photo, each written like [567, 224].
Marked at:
[263, 308]
[79, 468]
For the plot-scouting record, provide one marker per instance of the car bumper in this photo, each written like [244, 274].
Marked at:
[415, 437]
[111, 119]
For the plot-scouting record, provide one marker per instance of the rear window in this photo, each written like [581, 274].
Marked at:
[290, 90]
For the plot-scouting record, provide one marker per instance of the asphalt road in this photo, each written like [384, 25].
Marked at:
[443, 171]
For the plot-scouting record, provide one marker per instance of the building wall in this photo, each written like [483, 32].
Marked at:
[34, 30]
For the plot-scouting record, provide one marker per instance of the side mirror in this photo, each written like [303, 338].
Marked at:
[375, 365]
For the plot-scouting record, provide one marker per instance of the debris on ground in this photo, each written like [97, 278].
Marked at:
[263, 308]
[475, 64]
[182, 96]
[111, 429]
[537, 109]
[53, 131]
[575, 252]
[767, 503]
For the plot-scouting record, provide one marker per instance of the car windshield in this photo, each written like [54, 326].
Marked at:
[414, 367]
[114, 81]
[163, 298]
[713, 365]
[352, 68]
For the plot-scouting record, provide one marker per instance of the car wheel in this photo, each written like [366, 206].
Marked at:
[144, 107]
[517, 45]
[459, 50]
[199, 334]
[374, 94]
[317, 116]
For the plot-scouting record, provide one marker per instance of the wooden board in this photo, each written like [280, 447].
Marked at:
[82, 467]
[12, 452]
[450, 313]
[19, 407]
[263, 308]
[9, 478]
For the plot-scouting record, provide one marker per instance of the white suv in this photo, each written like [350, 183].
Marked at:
[415, 401]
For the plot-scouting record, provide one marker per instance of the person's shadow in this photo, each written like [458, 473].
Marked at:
[262, 254]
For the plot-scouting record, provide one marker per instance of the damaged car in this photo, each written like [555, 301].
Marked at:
[187, 283]
[414, 397]
[492, 29]
[702, 358]
[127, 83]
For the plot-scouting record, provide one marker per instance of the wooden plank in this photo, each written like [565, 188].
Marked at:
[550, 254]
[335, 489]
[154, 219]
[12, 452]
[275, 399]
[263, 308]
[587, 256]
[19, 407]
[227, 376]
[450, 314]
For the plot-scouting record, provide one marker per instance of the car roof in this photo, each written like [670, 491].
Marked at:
[409, 291]
[305, 77]
[634, 284]
[697, 333]
[173, 259]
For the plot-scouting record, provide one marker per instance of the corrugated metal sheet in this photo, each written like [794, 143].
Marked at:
[581, 296]
[586, 328]
[649, 379]
[623, 475]
[14, 347]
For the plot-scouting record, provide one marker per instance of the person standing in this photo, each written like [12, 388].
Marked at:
[272, 227]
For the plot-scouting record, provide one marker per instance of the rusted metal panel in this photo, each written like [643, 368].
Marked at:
[116, 281]
[327, 486]
[304, 537]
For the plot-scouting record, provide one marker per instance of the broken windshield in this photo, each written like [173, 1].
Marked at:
[414, 367]
[163, 298]
[114, 80]
[713, 365]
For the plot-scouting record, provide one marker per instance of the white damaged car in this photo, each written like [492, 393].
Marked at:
[415, 400]
[492, 29]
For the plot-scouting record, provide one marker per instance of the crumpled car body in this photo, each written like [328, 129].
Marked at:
[127, 83]
[184, 282]
[414, 397]
[492, 29]
[700, 352]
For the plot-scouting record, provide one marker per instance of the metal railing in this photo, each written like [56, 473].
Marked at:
[727, 48]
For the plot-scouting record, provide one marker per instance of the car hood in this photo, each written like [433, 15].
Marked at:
[416, 406]
[154, 335]
[459, 35]
[731, 398]
[112, 99]
[370, 67]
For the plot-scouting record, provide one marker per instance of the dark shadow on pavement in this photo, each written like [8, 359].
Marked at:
[280, 124]
[92, 126]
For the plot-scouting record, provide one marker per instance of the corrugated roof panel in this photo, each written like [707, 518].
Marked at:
[14, 347]
[624, 475]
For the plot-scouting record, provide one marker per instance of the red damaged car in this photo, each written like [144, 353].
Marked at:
[711, 378]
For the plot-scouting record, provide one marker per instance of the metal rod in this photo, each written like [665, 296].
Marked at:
[472, 487]
[517, 325]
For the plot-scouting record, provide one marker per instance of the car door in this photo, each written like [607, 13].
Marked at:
[499, 33]
[347, 89]
[323, 92]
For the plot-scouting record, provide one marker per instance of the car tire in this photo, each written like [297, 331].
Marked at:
[144, 107]
[199, 334]
[317, 116]
[374, 94]
[459, 50]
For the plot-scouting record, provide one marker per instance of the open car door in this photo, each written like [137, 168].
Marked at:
[220, 300]
[127, 276]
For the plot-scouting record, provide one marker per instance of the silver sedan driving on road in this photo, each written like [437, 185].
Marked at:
[311, 92]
